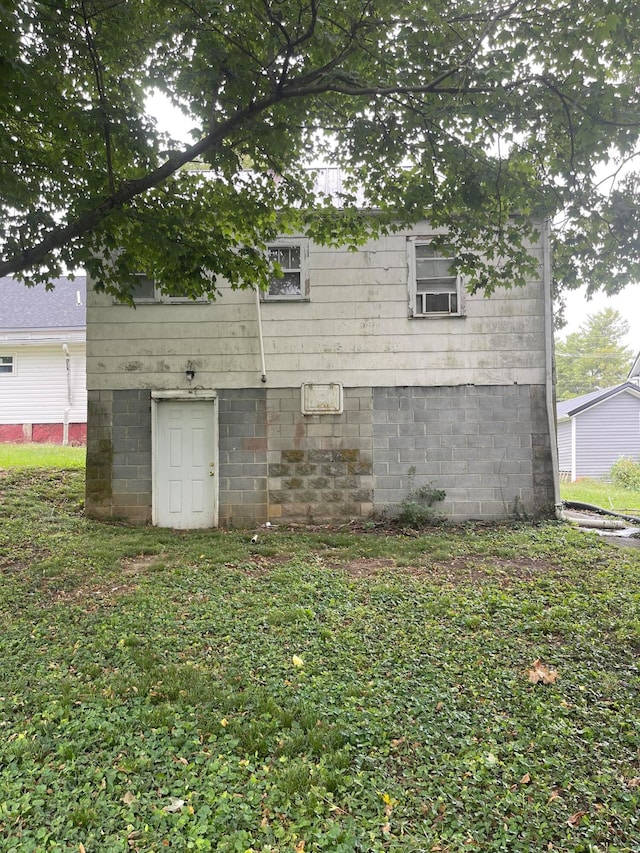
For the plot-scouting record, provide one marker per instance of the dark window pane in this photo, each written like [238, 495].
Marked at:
[436, 285]
[294, 257]
[437, 303]
[288, 285]
[143, 288]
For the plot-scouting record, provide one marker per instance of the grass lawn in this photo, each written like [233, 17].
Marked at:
[41, 456]
[319, 691]
[605, 495]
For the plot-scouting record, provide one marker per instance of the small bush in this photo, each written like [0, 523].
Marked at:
[417, 508]
[626, 473]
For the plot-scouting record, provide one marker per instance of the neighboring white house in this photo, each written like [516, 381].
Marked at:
[596, 429]
[359, 377]
[43, 392]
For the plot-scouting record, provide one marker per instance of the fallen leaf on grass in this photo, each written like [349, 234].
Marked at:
[81, 848]
[128, 798]
[633, 783]
[575, 819]
[540, 674]
[525, 779]
[299, 848]
[174, 806]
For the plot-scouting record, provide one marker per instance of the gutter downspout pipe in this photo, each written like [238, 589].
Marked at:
[263, 378]
[67, 411]
[549, 365]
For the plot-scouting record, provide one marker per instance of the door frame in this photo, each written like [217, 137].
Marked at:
[200, 395]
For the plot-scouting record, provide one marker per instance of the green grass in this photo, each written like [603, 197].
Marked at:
[599, 493]
[150, 699]
[41, 456]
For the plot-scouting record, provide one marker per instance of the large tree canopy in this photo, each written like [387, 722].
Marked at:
[593, 358]
[473, 114]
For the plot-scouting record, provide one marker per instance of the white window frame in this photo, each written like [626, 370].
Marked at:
[13, 364]
[303, 269]
[417, 299]
[160, 298]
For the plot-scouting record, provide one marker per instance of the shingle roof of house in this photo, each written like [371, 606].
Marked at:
[569, 408]
[23, 307]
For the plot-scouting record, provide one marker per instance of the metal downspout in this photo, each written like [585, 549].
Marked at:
[549, 366]
[263, 378]
[67, 411]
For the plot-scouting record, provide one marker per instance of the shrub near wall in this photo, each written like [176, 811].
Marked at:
[626, 474]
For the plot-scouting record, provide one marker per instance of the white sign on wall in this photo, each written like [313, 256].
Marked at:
[321, 399]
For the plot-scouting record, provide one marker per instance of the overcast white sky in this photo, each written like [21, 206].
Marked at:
[627, 303]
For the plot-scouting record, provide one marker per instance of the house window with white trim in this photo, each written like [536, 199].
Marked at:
[145, 291]
[292, 258]
[435, 290]
[7, 365]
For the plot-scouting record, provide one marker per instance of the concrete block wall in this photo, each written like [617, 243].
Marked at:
[119, 455]
[487, 446]
[242, 457]
[543, 477]
[320, 466]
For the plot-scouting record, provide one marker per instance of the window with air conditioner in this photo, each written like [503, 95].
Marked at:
[435, 290]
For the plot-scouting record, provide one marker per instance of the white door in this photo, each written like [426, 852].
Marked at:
[185, 491]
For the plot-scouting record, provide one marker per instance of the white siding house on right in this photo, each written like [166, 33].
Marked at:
[597, 429]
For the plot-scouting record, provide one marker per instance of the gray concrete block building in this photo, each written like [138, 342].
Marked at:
[359, 377]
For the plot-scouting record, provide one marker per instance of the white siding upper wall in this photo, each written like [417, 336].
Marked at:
[355, 330]
[37, 392]
[606, 432]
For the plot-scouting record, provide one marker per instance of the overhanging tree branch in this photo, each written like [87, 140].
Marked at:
[424, 85]
[131, 189]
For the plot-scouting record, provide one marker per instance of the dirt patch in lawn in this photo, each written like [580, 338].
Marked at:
[259, 565]
[92, 596]
[364, 567]
[10, 565]
[458, 570]
[134, 566]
